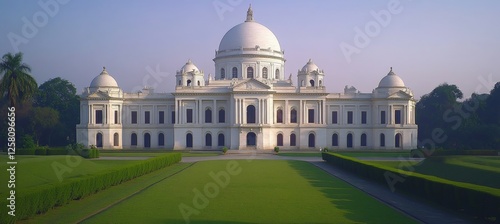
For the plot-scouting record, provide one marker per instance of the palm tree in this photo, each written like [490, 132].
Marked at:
[16, 82]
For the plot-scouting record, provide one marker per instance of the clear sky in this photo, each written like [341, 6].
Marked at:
[143, 43]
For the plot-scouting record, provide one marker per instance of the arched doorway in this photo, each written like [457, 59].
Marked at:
[279, 139]
[220, 140]
[98, 140]
[116, 140]
[312, 141]
[251, 139]
[208, 140]
[189, 140]
[147, 140]
[397, 140]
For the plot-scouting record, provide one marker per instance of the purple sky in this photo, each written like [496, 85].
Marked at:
[144, 42]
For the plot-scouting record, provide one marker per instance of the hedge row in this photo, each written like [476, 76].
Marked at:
[479, 201]
[441, 152]
[40, 200]
[42, 151]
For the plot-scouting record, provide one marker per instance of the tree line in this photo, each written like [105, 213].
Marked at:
[48, 114]
[450, 123]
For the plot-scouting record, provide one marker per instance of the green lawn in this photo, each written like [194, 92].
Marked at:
[34, 171]
[478, 170]
[404, 154]
[153, 154]
[262, 191]
[300, 154]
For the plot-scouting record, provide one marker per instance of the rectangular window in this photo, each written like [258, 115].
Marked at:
[189, 115]
[363, 117]
[335, 117]
[161, 117]
[172, 117]
[397, 116]
[382, 117]
[134, 117]
[98, 116]
[146, 117]
[310, 115]
[350, 117]
[116, 117]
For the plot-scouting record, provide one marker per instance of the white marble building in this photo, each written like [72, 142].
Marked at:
[248, 104]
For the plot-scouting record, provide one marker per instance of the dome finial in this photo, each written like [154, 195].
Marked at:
[249, 14]
[104, 68]
[391, 69]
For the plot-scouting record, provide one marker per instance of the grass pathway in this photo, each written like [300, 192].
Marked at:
[263, 191]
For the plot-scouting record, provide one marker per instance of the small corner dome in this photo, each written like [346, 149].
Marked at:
[310, 66]
[391, 80]
[189, 67]
[104, 80]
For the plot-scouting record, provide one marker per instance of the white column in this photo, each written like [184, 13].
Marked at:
[214, 111]
[90, 114]
[285, 113]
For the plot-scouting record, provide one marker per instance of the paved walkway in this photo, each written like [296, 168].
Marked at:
[419, 211]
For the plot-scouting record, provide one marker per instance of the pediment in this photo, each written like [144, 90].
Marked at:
[400, 94]
[98, 94]
[251, 85]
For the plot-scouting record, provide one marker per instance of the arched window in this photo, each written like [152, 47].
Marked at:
[116, 139]
[264, 73]
[311, 82]
[180, 83]
[198, 82]
[251, 114]
[220, 140]
[250, 72]
[312, 141]
[279, 140]
[397, 140]
[222, 116]
[98, 140]
[235, 73]
[147, 140]
[303, 83]
[189, 82]
[363, 139]
[208, 140]
[293, 140]
[222, 73]
[279, 116]
[208, 115]
[320, 82]
[277, 74]
[293, 116]
[382, 140]
[161, 139]
[189, 140]
[349, 140]
[335, 139]
[133, 139]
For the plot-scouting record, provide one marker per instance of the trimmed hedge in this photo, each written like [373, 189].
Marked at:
[40, 200]
[476, 200]
[441, 152]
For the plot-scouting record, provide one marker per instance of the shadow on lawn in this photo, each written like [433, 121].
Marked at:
[203, 221]
[340, 193]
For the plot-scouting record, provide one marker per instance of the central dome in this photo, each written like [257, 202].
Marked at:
[249, 35]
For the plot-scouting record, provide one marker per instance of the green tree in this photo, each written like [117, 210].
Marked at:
[16, 83]
[44, 121]
[60, 94]
[432, 108]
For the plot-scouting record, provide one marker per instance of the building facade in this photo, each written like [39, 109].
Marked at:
[248, 104]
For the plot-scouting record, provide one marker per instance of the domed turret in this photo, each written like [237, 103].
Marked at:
[310, 66]
[103, 80]
[190, 75]
[189, 67]
[310, 76]
[391, 80]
